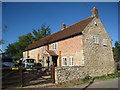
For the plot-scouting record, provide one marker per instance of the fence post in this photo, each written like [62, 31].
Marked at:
[21, 76]
[53, 73]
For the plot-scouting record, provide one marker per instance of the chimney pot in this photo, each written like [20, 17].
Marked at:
[95, 12]
[63, 26]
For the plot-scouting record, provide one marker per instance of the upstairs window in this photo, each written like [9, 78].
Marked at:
[42, 49]
[95, 23]
[105, 42]
[64, 61]
[54, 46]
[95, 39]
[71, 61]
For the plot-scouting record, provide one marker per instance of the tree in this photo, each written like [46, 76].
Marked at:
[1, 42]
[16, 49]
[41, 33]
[116, 52]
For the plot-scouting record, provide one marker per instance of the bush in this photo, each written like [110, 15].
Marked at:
[87, 78]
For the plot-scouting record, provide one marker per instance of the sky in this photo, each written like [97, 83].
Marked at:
[22, 17]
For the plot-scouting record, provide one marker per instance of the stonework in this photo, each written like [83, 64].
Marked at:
[98, 58]
[65, 74]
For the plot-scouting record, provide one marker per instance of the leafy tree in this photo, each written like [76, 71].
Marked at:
[16, 49]
[41, 33]
[116, 53]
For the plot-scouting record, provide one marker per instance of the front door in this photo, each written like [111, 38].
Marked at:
[54, 59]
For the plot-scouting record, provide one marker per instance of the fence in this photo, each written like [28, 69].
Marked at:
[20, 77]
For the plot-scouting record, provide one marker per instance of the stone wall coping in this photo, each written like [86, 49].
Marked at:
[69, 67]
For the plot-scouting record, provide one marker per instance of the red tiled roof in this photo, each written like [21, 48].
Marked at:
[74, 29]
[52, 53]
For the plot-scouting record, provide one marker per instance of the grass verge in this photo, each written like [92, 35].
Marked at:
[109, 76]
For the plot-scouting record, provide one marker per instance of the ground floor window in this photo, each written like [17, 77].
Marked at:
[71, 61]
[67, 61]
[64, 61]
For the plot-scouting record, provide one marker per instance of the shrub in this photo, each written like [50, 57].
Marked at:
[87, 78]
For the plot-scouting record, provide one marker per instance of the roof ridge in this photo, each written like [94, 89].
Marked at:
[70, 30]
[79, 22]
[66, 28]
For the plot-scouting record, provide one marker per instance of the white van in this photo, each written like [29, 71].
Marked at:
[28, 62]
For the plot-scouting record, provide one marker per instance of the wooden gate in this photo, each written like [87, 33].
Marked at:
[27, 76]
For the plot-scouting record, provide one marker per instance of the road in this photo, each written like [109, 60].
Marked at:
[112, 83]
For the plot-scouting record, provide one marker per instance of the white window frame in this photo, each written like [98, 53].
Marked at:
[54, 46]
[105, 42]
[95, 39]
[42, 49]
[63, 61]
[71, 61]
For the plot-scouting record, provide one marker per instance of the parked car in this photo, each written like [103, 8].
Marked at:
[27, 62]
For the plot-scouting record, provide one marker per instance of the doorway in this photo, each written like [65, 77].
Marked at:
[54, 59]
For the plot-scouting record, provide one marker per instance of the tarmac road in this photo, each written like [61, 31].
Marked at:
[112, 83]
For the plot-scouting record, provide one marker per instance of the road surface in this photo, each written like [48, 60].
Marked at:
[112, 83]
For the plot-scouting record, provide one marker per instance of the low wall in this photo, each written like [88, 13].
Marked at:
[66, 74]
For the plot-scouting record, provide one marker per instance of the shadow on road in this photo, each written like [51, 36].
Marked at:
[90, 83]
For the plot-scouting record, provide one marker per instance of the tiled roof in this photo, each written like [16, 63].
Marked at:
[52, 53]
[74, 29]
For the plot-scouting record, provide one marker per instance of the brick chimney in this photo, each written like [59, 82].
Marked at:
[95, 12]
[63, 26]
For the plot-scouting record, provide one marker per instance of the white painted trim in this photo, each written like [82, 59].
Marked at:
[71, 60]
[105, 42]
[62, 60]
[53, 46]
[95, 39]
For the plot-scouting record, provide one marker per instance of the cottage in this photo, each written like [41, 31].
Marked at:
[85, 43]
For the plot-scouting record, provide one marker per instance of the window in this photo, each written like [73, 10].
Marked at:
[64, 61]
[42, 49]
[54, 46]
[71, 61]
[95, 23]
[105, 42]
[95, 39]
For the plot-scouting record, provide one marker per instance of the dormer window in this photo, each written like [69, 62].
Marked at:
[95, 39]
[54, 46]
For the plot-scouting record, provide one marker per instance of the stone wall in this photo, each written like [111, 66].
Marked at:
[66, 74]
[98, 57]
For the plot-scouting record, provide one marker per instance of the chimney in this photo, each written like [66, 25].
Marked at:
[63, 26]
[95, 12]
